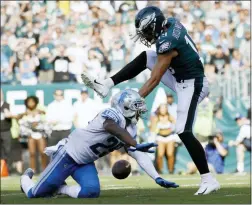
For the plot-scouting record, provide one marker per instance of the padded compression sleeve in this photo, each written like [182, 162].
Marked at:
[132, 69]
[145, 162]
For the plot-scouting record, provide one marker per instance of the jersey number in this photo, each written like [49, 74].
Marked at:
[188, 41]
[102, 149]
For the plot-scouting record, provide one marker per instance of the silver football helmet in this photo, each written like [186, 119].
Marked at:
[130, 104]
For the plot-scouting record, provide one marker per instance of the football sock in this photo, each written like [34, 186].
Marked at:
[72, 191]
[132, 69]
[206, 177]
[26, 184]
[196, 151]
[108, 82]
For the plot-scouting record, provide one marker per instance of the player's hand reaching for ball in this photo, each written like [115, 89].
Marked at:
[166, 184]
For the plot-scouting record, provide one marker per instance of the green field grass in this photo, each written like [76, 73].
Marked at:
[142, 190]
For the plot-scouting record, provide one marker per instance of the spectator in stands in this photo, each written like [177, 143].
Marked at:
[78, 53]
[217, 12]
[101, 22]
[236, 62]
[60, 62]
[44, 53]
[245, 49]
[32, 125]
[165, 125]
[34, 57]
[93, 64]
[197, 12]
[5, 69]
[223, 42]
[241, 26]
[60, 116]
[85, 109]
[27, 70]
[216, 151]
[243, 141]
[117, 56]
[219, 60]
[7, 51]
[207, 45]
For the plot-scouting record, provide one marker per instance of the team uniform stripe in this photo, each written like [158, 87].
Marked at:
[198, 85]
[113, 113]
[49, 170]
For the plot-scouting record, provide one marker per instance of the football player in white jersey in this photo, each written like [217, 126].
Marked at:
[74, 156]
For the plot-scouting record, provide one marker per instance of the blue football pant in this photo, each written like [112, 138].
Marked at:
[60, 168]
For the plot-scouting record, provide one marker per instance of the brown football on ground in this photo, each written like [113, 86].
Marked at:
[121, 169]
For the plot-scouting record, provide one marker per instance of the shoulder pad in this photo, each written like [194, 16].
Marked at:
[112, 114]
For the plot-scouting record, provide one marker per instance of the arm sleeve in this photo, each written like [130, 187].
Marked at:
[145, 163]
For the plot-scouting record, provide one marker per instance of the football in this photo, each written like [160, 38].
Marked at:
[121, 169]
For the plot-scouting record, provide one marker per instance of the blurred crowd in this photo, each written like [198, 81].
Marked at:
[54, 41]
[25, 136]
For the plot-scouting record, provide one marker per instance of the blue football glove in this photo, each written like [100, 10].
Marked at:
[144, 147]
[166, 184]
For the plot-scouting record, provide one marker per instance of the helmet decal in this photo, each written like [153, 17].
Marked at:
[146, 21]
[122, 97]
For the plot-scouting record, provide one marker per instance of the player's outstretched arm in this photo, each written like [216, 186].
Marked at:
[145, 162]
[162, 64]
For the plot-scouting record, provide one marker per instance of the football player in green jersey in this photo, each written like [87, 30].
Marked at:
[177, 65]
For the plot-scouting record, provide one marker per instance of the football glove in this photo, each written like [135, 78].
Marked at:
[143, 147]
[166, 184]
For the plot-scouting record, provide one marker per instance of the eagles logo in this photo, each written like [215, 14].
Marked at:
[146, 21]
[164, 47]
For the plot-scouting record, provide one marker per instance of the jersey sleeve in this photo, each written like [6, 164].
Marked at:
[112, 114]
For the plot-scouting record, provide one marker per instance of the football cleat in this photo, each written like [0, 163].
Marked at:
[101, 87]
[29, 172]
[208, 187]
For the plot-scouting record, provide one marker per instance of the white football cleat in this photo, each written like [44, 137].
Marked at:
[208, 187]
[28, 172]
[101, 87]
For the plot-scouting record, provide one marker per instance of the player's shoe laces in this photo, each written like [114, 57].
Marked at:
[29, 172]
[208, 187]
[101, 87]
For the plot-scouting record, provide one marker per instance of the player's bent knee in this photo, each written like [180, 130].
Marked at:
[89, 192]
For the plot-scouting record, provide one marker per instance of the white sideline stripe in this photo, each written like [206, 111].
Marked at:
[113, 187]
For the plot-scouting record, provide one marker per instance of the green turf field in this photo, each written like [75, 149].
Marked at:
[142, 190]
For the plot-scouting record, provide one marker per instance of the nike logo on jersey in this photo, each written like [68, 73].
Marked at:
[161, 42]
[97, 82]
